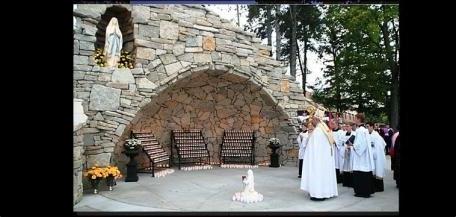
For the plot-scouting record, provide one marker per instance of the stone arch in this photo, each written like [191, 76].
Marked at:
[213, 100]
[172, 43]
[125, 24]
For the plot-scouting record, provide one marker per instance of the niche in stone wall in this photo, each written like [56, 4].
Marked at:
[213, 103]
[125, 20]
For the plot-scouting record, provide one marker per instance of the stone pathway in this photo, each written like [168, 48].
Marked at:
[211, 190]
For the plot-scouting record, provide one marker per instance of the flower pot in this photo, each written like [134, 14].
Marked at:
[274, 155]
[95, 183]
[274, 160]
[132, 175]
[110, 181]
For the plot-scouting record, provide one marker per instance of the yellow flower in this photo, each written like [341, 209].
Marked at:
[94, 177]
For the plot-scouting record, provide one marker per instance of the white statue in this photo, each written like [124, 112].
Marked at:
[113, 43]
[249, 195]
[79, 117]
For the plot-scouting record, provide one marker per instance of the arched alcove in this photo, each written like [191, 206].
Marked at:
[123, 15]
[214, 102]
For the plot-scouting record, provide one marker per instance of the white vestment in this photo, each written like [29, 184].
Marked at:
[378, 153]
[347, 160]
[340, 149]
[302, 141]
[318, 170]
[363, 159]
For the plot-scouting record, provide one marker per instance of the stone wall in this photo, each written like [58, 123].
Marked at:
[177, 43]
[214, 103]
[78, 158]
[79, 119]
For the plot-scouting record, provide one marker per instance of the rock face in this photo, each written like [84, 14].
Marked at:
[104, 98]
[214, 104]
[123, 76]
[101, 160]
[192, 70]
[169, 30]
[79, 121]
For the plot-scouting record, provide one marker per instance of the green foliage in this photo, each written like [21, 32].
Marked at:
[257, 14]
[358, 72]
[351, 41]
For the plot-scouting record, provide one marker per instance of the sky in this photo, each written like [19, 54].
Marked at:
[314, 64]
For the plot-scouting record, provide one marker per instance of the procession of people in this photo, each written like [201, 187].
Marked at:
[352, 154]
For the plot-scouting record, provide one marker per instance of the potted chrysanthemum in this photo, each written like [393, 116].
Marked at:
[95, 175]
[113, 174]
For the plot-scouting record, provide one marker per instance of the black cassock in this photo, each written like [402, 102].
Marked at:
[397, 161]
[362, 182]
[347, 177]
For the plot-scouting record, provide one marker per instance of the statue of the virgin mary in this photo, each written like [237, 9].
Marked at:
[113, 43]
[249, 195]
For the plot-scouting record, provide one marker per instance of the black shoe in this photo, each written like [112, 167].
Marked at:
[299, 176]
[360, 195]
[317, 199]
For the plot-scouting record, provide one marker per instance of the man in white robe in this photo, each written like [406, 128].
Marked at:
[347, 168]
[378, 145]
[318, 170]
[339, 148]
[363, 161]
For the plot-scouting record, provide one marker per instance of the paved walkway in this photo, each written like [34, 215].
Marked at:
[211, 190]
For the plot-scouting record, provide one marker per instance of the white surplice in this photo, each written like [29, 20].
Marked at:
[302, 140]
[318, 169]
[347, 160]
[363, 159]
[340, 149]
[378, 153]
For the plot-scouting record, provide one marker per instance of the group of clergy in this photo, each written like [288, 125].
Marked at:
[352, 155]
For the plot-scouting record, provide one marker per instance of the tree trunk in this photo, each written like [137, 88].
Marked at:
[277, 30]
[360, 103]
[238, 16]
[394, 121]
[304, 74]
[293, 41]
[269, 27]
[395, 102]
[300, 66]
[336, 78]
[396, 41]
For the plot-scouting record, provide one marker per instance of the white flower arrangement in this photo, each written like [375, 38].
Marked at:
[274, 141]
[132, 144]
